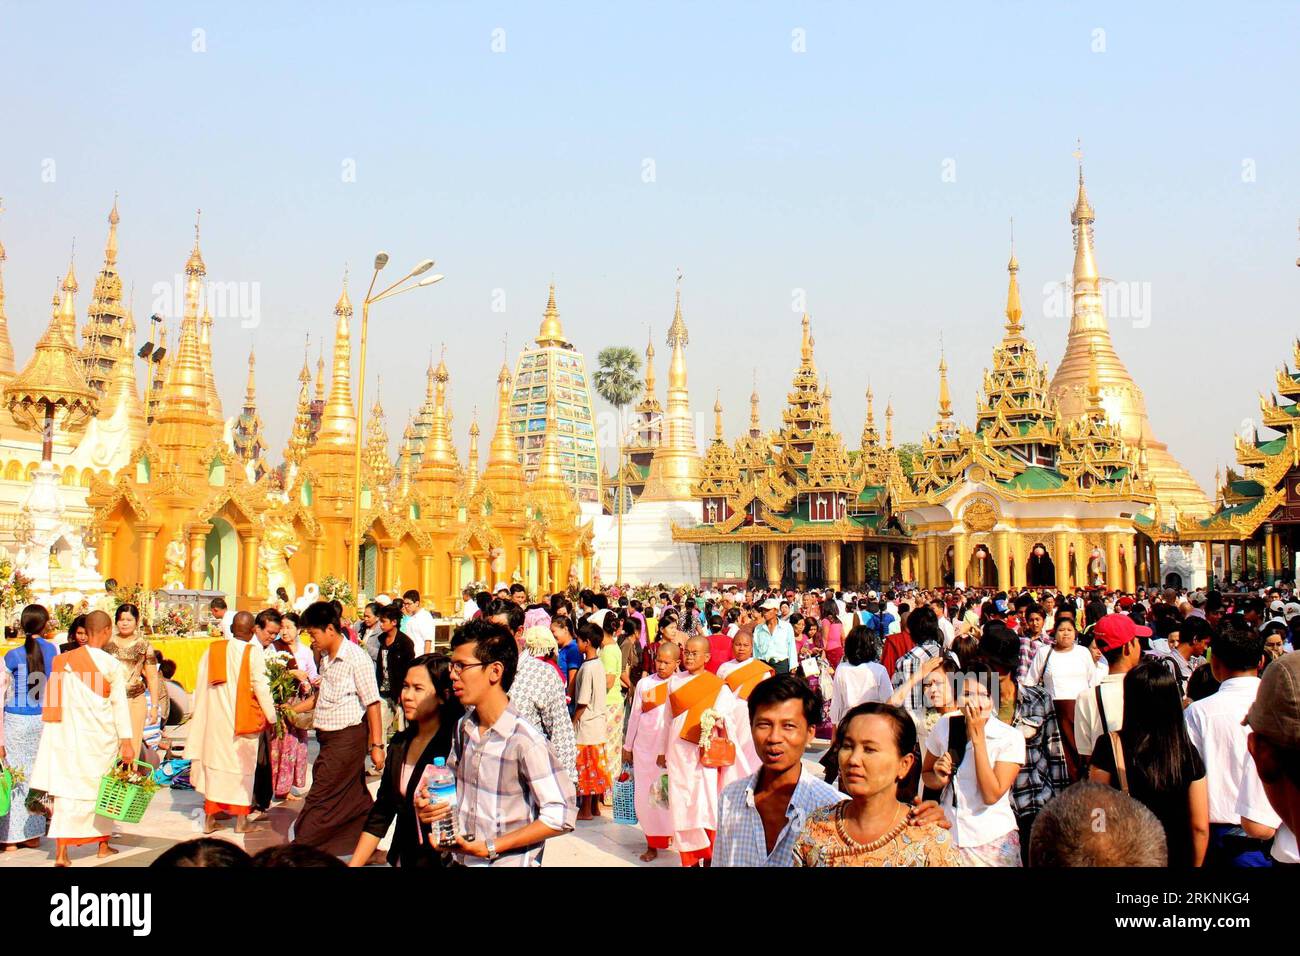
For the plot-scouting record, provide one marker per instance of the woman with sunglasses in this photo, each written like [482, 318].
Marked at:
[431, 711]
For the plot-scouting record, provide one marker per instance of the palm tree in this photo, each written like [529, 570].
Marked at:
[617, 382]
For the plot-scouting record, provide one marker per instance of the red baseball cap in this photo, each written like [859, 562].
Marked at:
[1115, 630]
[1125, 602]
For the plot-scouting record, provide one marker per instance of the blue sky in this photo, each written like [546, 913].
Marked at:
[774, 171]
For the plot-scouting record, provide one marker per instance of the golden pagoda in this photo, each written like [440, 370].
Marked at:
[796, 508]
[675, 464]
[1023, 498]
[183, 513]
[1121, 396]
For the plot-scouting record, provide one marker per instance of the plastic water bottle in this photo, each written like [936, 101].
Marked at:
[440, 784]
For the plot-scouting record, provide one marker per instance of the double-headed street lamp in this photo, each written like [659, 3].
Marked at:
[381, 260]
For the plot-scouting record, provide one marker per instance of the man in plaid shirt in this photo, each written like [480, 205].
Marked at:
[512, 794]
[1045, 772]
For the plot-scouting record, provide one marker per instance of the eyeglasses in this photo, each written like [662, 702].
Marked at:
[455, 668]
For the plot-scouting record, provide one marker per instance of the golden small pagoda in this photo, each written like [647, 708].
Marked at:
[796, 508]
[1025, 498]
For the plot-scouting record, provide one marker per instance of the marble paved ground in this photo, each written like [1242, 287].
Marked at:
[176, 816]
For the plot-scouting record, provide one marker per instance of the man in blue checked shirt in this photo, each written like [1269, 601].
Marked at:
[760, 817]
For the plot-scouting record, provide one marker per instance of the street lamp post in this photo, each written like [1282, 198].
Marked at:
[381, 260]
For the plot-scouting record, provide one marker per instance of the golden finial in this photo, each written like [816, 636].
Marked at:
[195, 266]
[945, 396]
[717, 417]
[806, 345]
[110, 249]
[344, 304]
[68, 311]
[889, 424]
[250, 391]
[1013, 312]
[339, 422]
[551, 332]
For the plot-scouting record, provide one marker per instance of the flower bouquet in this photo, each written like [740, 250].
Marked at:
[175, 621]
[15, 588]
[336, 589]
[285, 689]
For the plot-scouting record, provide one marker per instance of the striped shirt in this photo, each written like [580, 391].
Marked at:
[741, 839]
[347, 688]
[507, 776]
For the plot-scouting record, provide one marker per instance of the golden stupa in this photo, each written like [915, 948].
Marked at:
[675, 468]
[1121, 396]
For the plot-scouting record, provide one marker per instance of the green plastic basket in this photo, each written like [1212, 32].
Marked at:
[6, 789]
[124, 802]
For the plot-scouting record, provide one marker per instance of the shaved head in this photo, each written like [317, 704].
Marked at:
[697, 654]
[99, 628]
[241, 625]
[670, 650]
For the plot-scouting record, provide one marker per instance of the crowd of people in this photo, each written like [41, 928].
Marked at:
[901, 727]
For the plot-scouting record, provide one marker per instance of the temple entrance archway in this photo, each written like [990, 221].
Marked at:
[1040, 569]
[221, 558]
[981, 569]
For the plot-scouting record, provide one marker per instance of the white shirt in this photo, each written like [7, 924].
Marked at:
[949, 632]
[974, 822]
[1252, 804]
[1087, 719]
[857, 684]
[1214, 725]
[224, 624]
[1068, 673]
[419, 628]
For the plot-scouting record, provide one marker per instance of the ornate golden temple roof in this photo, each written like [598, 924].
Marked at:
[52, 379]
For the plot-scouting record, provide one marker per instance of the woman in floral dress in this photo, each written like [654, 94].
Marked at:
[289, 753]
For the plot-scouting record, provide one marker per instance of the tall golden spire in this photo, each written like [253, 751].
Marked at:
[6, 344]
[806, 363]
[755, 428]
[504, 474]
[183, 424]
[1095, 409]
[649, 404]
[889, 424]
[944, 424]
[870, 436]
[339, 421]
[551, 332]
[438, 449]
[68, 310]
[247, 432]
[102, 345]
[381, 466]
[675, 467]
[1090, 352]
[404, 466]
[471, 473]
[300, 437]
[1014, 326]
[717, 418]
